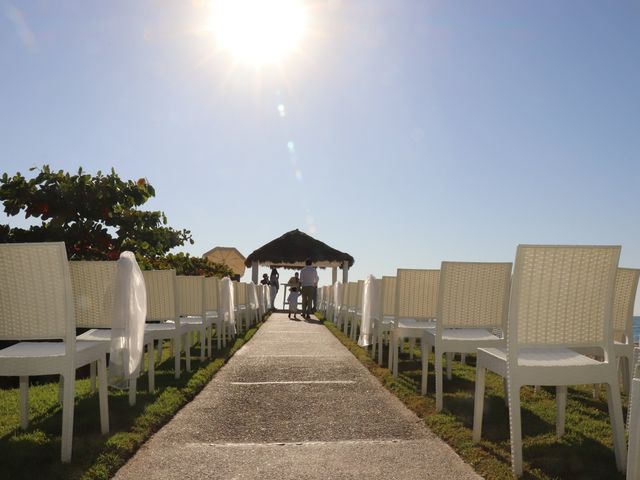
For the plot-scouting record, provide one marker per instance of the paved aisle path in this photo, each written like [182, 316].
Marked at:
[295, 404]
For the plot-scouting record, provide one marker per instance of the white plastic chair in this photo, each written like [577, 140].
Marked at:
[241, 305]
[36, 303]
[473, 301]
[191, 310]
[625, 297]
[416, 301]
[384, 323]
[93, 286]
[561, 298]
[163, 321]
[211, 306]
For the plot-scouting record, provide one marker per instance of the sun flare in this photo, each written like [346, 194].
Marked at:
[258, 32]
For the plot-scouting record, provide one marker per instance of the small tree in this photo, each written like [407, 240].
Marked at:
[96, 216]
[185, 264]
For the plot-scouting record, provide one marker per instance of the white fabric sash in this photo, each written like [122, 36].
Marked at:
[127, 325]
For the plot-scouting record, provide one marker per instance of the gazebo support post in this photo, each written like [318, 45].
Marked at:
[334, 275]
[254, 272]
[345, 272]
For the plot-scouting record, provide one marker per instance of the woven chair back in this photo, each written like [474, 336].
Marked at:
[190, 295]
[360, 295]
[388, 296]
[35, 292]
[93, 285]
[473, 295]
[626, 288]
[416, 294]
[352, 297]
[240, 293]
[161, 294]
[211, 293]
[562, 296]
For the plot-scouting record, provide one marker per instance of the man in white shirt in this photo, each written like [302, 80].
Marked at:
[309, 281]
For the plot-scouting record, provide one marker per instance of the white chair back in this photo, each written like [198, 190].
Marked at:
[625, 297]
[473, 295]
[416, 294]
[93, 286]
[211, 294]
[190, 296]
[36, 299]
[161, 295]
[562, 296]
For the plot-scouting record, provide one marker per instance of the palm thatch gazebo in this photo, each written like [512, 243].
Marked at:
[293, 248]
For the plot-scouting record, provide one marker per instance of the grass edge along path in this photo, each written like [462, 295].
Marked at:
[491, 456]
[121, 446]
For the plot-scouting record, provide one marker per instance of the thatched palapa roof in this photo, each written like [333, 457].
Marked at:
[293, 248]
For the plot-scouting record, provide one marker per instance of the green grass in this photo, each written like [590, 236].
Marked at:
[584, 452]
[35, 453]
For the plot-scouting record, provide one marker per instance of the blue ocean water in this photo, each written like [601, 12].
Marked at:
[636, 328]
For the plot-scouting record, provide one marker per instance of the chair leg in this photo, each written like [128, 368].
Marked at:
[210, 334]
[617, 424]
[438, 373]
[374, 343]
[92, 376]
[103, 394]
[425, 366]
[380, 347]
[627, 373]
[449, 365]
[505, 389]
[187, 351]
[515, 426]
[219, 334]
[176, 354]
[633, 457]
[24, 402]
[133, 386]
[396, 354]
[151, 368]
[68, 397]
[203, 343]
[478, 403]
[561, 408]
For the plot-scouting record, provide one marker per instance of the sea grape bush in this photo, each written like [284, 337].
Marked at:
[97, 216]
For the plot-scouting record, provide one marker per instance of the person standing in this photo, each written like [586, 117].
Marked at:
[274, 285]
[314, 297]
[294, 293]
[308, 280]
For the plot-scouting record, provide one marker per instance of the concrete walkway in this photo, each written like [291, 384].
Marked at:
[295, 404]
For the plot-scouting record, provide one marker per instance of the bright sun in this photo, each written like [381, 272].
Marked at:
[258, 32]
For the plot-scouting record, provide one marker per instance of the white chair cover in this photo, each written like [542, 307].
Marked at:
[227, 303]
[252, 292]
[127, 326]
[370, 301]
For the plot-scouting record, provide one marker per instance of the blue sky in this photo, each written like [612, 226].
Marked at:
[415, 131]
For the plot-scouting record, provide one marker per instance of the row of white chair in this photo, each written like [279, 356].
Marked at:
[561, 318]
[45, 297]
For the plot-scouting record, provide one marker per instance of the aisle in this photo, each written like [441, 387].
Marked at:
[291, 404]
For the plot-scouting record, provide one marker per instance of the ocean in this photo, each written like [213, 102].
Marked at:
[636, 329]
